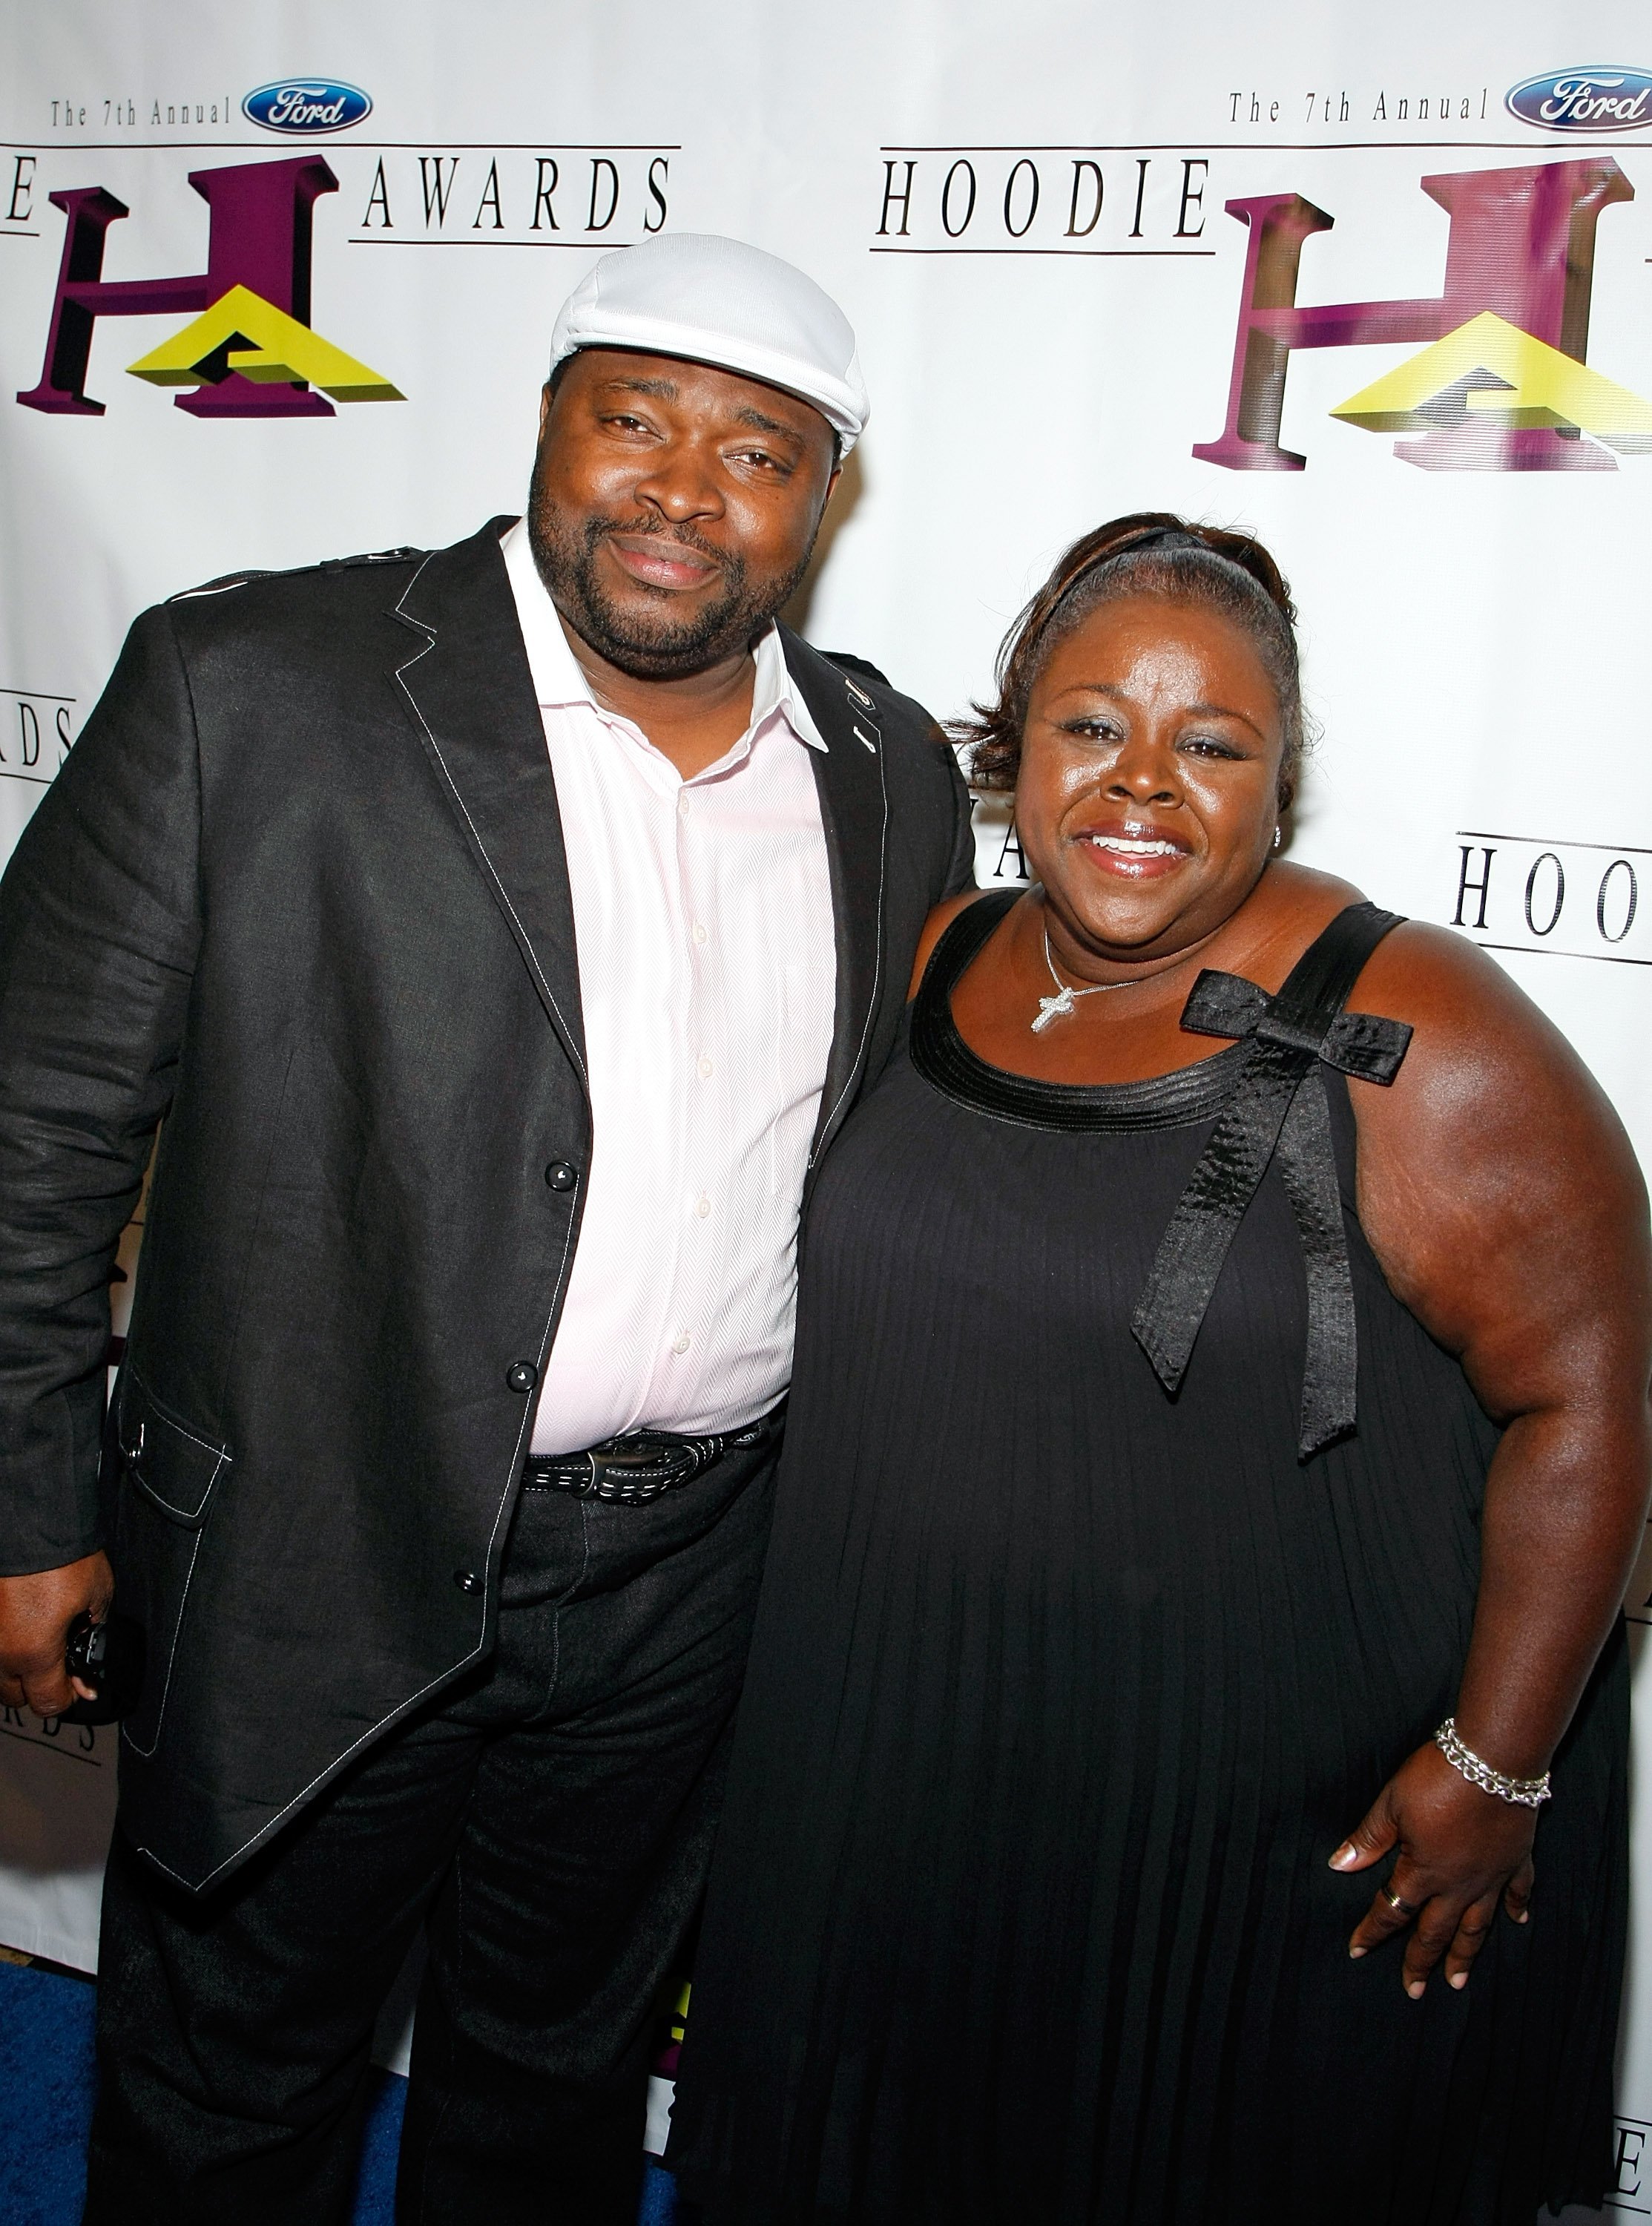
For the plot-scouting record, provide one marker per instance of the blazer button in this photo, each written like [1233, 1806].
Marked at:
[561, 1176]
[467, 1581]
[522, 1376]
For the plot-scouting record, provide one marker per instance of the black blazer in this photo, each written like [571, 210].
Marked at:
[299, 894]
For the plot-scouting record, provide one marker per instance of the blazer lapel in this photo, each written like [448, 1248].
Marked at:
[471, 697]
[854, 815]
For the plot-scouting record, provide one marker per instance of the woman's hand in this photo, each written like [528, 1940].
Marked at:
[1461, 1851]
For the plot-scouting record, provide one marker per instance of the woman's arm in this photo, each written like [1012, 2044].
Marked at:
[1503, 1199]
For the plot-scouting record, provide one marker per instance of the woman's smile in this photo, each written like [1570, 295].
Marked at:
[1132, 851]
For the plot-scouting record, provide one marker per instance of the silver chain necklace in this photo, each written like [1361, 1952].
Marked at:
[1056, 1008]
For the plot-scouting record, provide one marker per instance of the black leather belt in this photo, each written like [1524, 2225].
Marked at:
[642, 1465]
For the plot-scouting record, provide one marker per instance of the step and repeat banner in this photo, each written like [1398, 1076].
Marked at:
[277, 285]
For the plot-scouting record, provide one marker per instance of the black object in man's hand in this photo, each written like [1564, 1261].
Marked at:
[108, 1656]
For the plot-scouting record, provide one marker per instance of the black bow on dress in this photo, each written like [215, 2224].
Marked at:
[1278, 1106]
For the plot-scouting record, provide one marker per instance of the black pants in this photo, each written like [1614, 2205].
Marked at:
[550, 1824]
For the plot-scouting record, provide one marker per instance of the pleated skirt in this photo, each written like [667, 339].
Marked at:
[1062, 1693]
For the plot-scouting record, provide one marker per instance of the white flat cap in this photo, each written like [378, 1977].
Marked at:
[722, 302]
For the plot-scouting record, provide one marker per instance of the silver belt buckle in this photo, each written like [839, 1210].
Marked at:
[637, 1471]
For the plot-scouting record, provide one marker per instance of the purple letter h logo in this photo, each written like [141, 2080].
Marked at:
[1522, 246]
[259, 238]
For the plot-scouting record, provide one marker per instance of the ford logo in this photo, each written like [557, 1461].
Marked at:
[306, 103]
[1584, 100]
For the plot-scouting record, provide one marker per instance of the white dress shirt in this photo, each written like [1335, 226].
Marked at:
[703, 916]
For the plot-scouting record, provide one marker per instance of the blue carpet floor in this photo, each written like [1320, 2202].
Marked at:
[46, 2087]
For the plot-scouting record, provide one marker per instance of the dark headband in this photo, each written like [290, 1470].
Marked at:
[1155, 537]
[1163, 537]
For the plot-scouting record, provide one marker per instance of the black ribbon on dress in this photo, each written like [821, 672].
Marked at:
[1279, 1107]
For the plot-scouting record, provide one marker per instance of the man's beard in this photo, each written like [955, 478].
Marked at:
[648, 643]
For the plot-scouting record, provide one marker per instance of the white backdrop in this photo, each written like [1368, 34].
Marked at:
[1025, 212]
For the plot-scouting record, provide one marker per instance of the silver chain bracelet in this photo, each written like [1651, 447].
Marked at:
[1529, 1792]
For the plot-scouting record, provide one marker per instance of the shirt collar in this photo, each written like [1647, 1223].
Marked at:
[558, 681]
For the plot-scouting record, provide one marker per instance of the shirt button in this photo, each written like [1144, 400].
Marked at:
[682, 806]
[699, 931]
[703, 1206]
[681, 1344]
[561, 1176]
[705, 1070]
[522, 1376]
[467, 1581]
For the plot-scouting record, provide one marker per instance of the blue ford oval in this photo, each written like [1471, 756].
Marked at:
[306, 103]
[1585, 100]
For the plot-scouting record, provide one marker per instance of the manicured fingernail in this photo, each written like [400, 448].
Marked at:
[1458, 1979]
[1346, 1854]
[1524, 1917]
[1356, 1953]
[1415, 1989]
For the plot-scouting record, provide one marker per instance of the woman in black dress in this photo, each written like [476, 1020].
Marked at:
[1222, 1365]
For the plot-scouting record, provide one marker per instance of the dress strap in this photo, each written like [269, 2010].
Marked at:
[959, 941]
[1278, 1106]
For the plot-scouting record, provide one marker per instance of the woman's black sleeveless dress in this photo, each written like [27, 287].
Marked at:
[1064, 1688]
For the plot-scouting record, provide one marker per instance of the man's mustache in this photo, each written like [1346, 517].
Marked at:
[683, 537]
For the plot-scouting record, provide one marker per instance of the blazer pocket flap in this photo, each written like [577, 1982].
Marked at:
[174, 1468]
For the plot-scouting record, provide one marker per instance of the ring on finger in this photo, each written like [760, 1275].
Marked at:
[1400, 1907]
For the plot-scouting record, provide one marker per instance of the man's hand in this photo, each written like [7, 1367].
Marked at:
[36, 1613]
[1462, 1852]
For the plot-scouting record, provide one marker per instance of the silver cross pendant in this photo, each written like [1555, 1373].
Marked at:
[1052, 1009]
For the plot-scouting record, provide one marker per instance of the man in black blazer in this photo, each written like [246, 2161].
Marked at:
[300, 900]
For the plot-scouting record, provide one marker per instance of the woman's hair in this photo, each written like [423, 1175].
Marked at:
[1149, 553]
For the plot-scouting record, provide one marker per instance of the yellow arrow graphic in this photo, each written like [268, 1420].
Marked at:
[266, 344]
[1511, 380]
